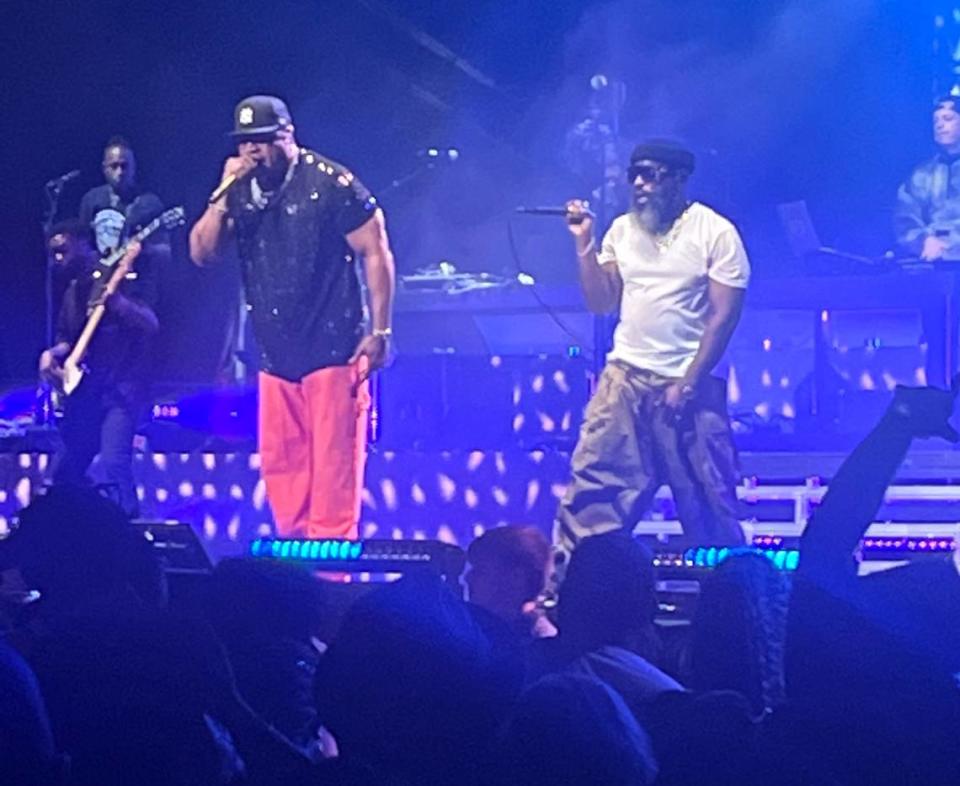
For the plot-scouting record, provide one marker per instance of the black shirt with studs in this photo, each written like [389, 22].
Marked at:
[301, 278]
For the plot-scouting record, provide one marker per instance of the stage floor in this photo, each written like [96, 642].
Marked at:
[454, 496]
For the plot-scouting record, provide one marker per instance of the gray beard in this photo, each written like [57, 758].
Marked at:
[649, 217]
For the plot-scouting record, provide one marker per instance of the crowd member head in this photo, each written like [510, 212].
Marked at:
[659, 170]
[268, 616]
[946, 124]
[570, 729]
[739, 631]
[405, 686]
[267, 599]
[127, 686]
[70, 248]
[27, 753]
[607, 596]
[507, 570]
[120, 166]
[263, 131]
[707, 737]
[72, 544]
[138, 698]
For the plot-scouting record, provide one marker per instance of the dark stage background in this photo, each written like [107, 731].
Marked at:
[826, 101]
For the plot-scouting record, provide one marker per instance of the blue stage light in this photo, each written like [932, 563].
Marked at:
[712, 556]
[374, 556]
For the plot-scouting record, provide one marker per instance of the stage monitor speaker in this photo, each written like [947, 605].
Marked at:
[177, 546]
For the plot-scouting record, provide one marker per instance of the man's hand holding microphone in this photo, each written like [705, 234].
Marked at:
[234, 168]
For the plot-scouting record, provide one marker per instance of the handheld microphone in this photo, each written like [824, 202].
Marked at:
[543, 211]
[225, 185]
[57, 182]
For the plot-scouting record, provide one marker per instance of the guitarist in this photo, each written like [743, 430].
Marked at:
[102, 414]
[120, 206]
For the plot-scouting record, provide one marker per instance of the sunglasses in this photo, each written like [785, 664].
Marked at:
[650, 173]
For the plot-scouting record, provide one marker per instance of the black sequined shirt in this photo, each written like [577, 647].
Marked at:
[300, 275]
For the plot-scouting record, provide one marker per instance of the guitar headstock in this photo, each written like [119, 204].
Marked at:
[168, 219]
[172, 218]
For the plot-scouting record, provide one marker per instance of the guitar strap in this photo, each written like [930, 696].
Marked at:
[129, 230]
[97, 284]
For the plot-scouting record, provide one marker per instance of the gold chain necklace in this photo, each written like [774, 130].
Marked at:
[664, 241]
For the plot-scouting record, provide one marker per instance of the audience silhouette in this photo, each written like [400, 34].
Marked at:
[825, 678]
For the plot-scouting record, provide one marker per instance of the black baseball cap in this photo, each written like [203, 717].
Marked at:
[258, 118]
[664, 151]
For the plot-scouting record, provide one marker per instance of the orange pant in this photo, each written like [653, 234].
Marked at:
[313, 446]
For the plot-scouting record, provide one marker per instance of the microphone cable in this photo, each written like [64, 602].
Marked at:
[551, 312]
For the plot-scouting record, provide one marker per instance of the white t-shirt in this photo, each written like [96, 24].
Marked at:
[664, 304]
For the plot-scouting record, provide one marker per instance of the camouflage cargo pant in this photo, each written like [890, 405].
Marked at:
[630, 445]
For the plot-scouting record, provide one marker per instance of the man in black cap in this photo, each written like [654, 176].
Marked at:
[677, 271]
[300, 221]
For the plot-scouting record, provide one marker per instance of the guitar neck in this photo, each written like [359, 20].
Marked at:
[139, 237]
[118, 275]
[123, 258]
[144, 233]
[82, 344]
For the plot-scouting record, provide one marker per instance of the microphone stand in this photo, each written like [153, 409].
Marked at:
[400, 182]
[601, 132]
[44, 411]
[427, 164]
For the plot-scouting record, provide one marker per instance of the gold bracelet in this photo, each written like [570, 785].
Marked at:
[591, 246]
[382, 332]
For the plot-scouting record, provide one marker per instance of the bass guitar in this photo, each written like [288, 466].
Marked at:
[123, 258]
